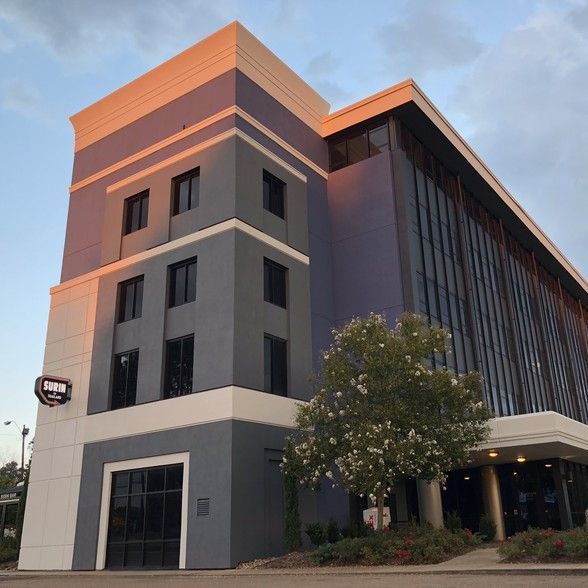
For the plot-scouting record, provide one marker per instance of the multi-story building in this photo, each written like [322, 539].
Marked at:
[221, 222]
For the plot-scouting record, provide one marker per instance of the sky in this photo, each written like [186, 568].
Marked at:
[510, 75]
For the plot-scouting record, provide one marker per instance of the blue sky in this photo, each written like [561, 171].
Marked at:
[510, 75]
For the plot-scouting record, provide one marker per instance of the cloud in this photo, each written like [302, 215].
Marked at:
[524, 105]
[427, 37]
[15, 96]
[84, 30]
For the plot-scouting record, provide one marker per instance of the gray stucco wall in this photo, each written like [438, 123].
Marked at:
[210, 447]
[228, 464]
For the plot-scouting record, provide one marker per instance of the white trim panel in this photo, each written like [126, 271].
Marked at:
[136, 464]
[227, 225]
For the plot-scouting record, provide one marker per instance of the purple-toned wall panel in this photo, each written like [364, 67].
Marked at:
[268, 111]
[86, 206]
[366, 260]
[187, 110]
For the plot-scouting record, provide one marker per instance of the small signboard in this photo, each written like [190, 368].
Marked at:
[52, 390]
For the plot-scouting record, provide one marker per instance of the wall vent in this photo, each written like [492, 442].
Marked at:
[203, 507]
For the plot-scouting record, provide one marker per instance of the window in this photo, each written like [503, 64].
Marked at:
[186, 191]
[275, 366]
[136, 212]
[273, 194]
[274, 283]
[144, 521]
[179, 362]
[358, 145]
[124, 386]
[182, 288]
[130, 299]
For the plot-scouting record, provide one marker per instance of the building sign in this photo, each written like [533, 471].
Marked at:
[52, 390]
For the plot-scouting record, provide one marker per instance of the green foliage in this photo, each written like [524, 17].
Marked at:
[487, 528]
[22, 505]
[316, 533]
[382, 415]
[539, 545]
[354, 530]
[9, 474]
[415, 545]
[333, 531]
[453, 521]
[292, 537]
[8, 549]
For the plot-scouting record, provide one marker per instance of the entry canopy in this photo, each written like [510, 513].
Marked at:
[536, 436]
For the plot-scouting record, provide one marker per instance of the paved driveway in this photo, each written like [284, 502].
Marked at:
[338, 580]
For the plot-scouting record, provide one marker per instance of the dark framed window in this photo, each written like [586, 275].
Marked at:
[273, 194]
[130, 299]
[182, 284]
[179, 362]
[136, 212]
[359, 144]
[275, 365]
[274, 282]
[144, 520]
[124, 381]
[186, 190]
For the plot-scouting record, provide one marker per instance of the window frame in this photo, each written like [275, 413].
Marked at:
[271, 206]
[167, 368]
[176, 184]
[172, 269]
[126, 404]
[272, 375]
[122, 298]
[139, 198]
[269, 289]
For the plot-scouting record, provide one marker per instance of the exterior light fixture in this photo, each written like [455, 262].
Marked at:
[521, 459]
[514, 473]
[493, 453]
[548, 465]
[466, 477]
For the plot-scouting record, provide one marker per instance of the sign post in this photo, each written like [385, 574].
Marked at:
[52, 390]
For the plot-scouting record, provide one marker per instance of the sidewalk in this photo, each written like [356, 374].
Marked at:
[479, 561]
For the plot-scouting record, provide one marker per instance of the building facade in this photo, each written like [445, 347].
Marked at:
[221, 223]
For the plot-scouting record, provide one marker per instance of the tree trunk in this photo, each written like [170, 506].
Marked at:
[380, 505]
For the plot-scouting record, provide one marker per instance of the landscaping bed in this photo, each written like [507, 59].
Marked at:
[546, 546]
[411, 546]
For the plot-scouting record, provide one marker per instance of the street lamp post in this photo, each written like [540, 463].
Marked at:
[24, 433]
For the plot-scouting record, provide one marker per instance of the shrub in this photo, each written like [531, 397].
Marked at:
[8, 549]
[546, 545]
[292, 537]
[354, 530]
[316, 533]
[487, 528]
[412, 545]
[453, 521]
[333, 532]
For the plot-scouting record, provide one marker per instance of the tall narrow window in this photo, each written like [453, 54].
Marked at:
[124, 384]
[274, 283]
[179, 361]
[275, 366]
[273, 194]
[182, 287]
[186, 191]
[130, 299]
[136, 212]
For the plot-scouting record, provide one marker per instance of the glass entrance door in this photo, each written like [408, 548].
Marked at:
[144, 520]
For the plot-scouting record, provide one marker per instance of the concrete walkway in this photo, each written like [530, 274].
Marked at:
[483, 561]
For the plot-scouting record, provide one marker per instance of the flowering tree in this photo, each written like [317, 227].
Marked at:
[382, 414]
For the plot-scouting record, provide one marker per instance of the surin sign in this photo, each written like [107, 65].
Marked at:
[52, 390]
